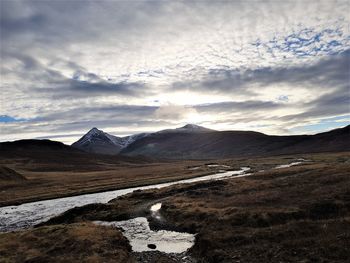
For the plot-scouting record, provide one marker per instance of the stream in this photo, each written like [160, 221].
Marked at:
[136, 230]
[29, 214]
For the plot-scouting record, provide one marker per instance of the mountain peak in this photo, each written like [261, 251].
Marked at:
[94, 130]
[188, 128]
[192, 126]
[98, 141]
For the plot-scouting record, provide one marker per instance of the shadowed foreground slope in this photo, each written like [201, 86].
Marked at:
[61, 244]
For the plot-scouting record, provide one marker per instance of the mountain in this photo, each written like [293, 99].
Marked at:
[226, 144]
[53, 155]
[196, 142]
[97, 141]
[188, 128]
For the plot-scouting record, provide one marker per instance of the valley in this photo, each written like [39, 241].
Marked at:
[57, 199]
[52, 182]
[174, 131]
[287, 209]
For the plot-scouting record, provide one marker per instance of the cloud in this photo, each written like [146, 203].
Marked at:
[43, 79]
[124, 65]
[329, 72]
[172, 112]
[76, 121]
[231, 106]
[329, 105]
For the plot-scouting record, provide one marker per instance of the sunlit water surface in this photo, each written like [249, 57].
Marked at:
[30, 214]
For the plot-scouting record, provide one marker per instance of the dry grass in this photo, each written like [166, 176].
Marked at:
[296, 214]
[65, 243]
[49, 184]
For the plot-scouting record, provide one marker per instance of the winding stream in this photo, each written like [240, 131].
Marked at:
[136, 230]
[29, 214]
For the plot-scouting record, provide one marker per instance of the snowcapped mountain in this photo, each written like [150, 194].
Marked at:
[196, 142]
[98, 141]
[188, 128]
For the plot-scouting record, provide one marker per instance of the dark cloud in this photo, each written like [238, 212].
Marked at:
[43, 80]
[96, 113]
[85, 117]
[71, 87]
[64, 22]
[331, 104]
[330, 72]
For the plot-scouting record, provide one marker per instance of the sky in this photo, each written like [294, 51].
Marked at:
[278, 67]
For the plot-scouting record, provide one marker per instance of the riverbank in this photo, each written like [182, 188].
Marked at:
[49, 181]
[291, 214]
[45, 185]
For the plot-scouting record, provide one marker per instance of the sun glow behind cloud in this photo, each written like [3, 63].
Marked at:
[142, 66]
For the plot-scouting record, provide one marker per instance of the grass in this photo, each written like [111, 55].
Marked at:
[295, 214]
[65, 243]
[51, 183]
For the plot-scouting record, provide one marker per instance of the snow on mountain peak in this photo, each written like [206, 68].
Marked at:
[94, 131]
[99, 138]
[188, 128]
[192, 126]
[95, 134]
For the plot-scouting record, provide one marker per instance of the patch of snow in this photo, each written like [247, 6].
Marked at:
[218, 165]
[287, 165]
[189, 128]
[139, 234]
[130, 139]
[156, 207]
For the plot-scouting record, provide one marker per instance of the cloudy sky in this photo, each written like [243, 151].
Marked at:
[278, 67]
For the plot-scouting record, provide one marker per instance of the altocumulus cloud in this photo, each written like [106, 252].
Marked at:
[141, 66]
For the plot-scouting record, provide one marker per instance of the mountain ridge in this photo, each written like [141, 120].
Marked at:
[197, 142]
[98, 141]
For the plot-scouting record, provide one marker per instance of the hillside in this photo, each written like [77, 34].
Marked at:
[226, 144]
[100, 142]
[47, 155]
[9, 174]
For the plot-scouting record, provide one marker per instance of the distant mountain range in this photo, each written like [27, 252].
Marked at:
[46, 153]
[196, 142]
